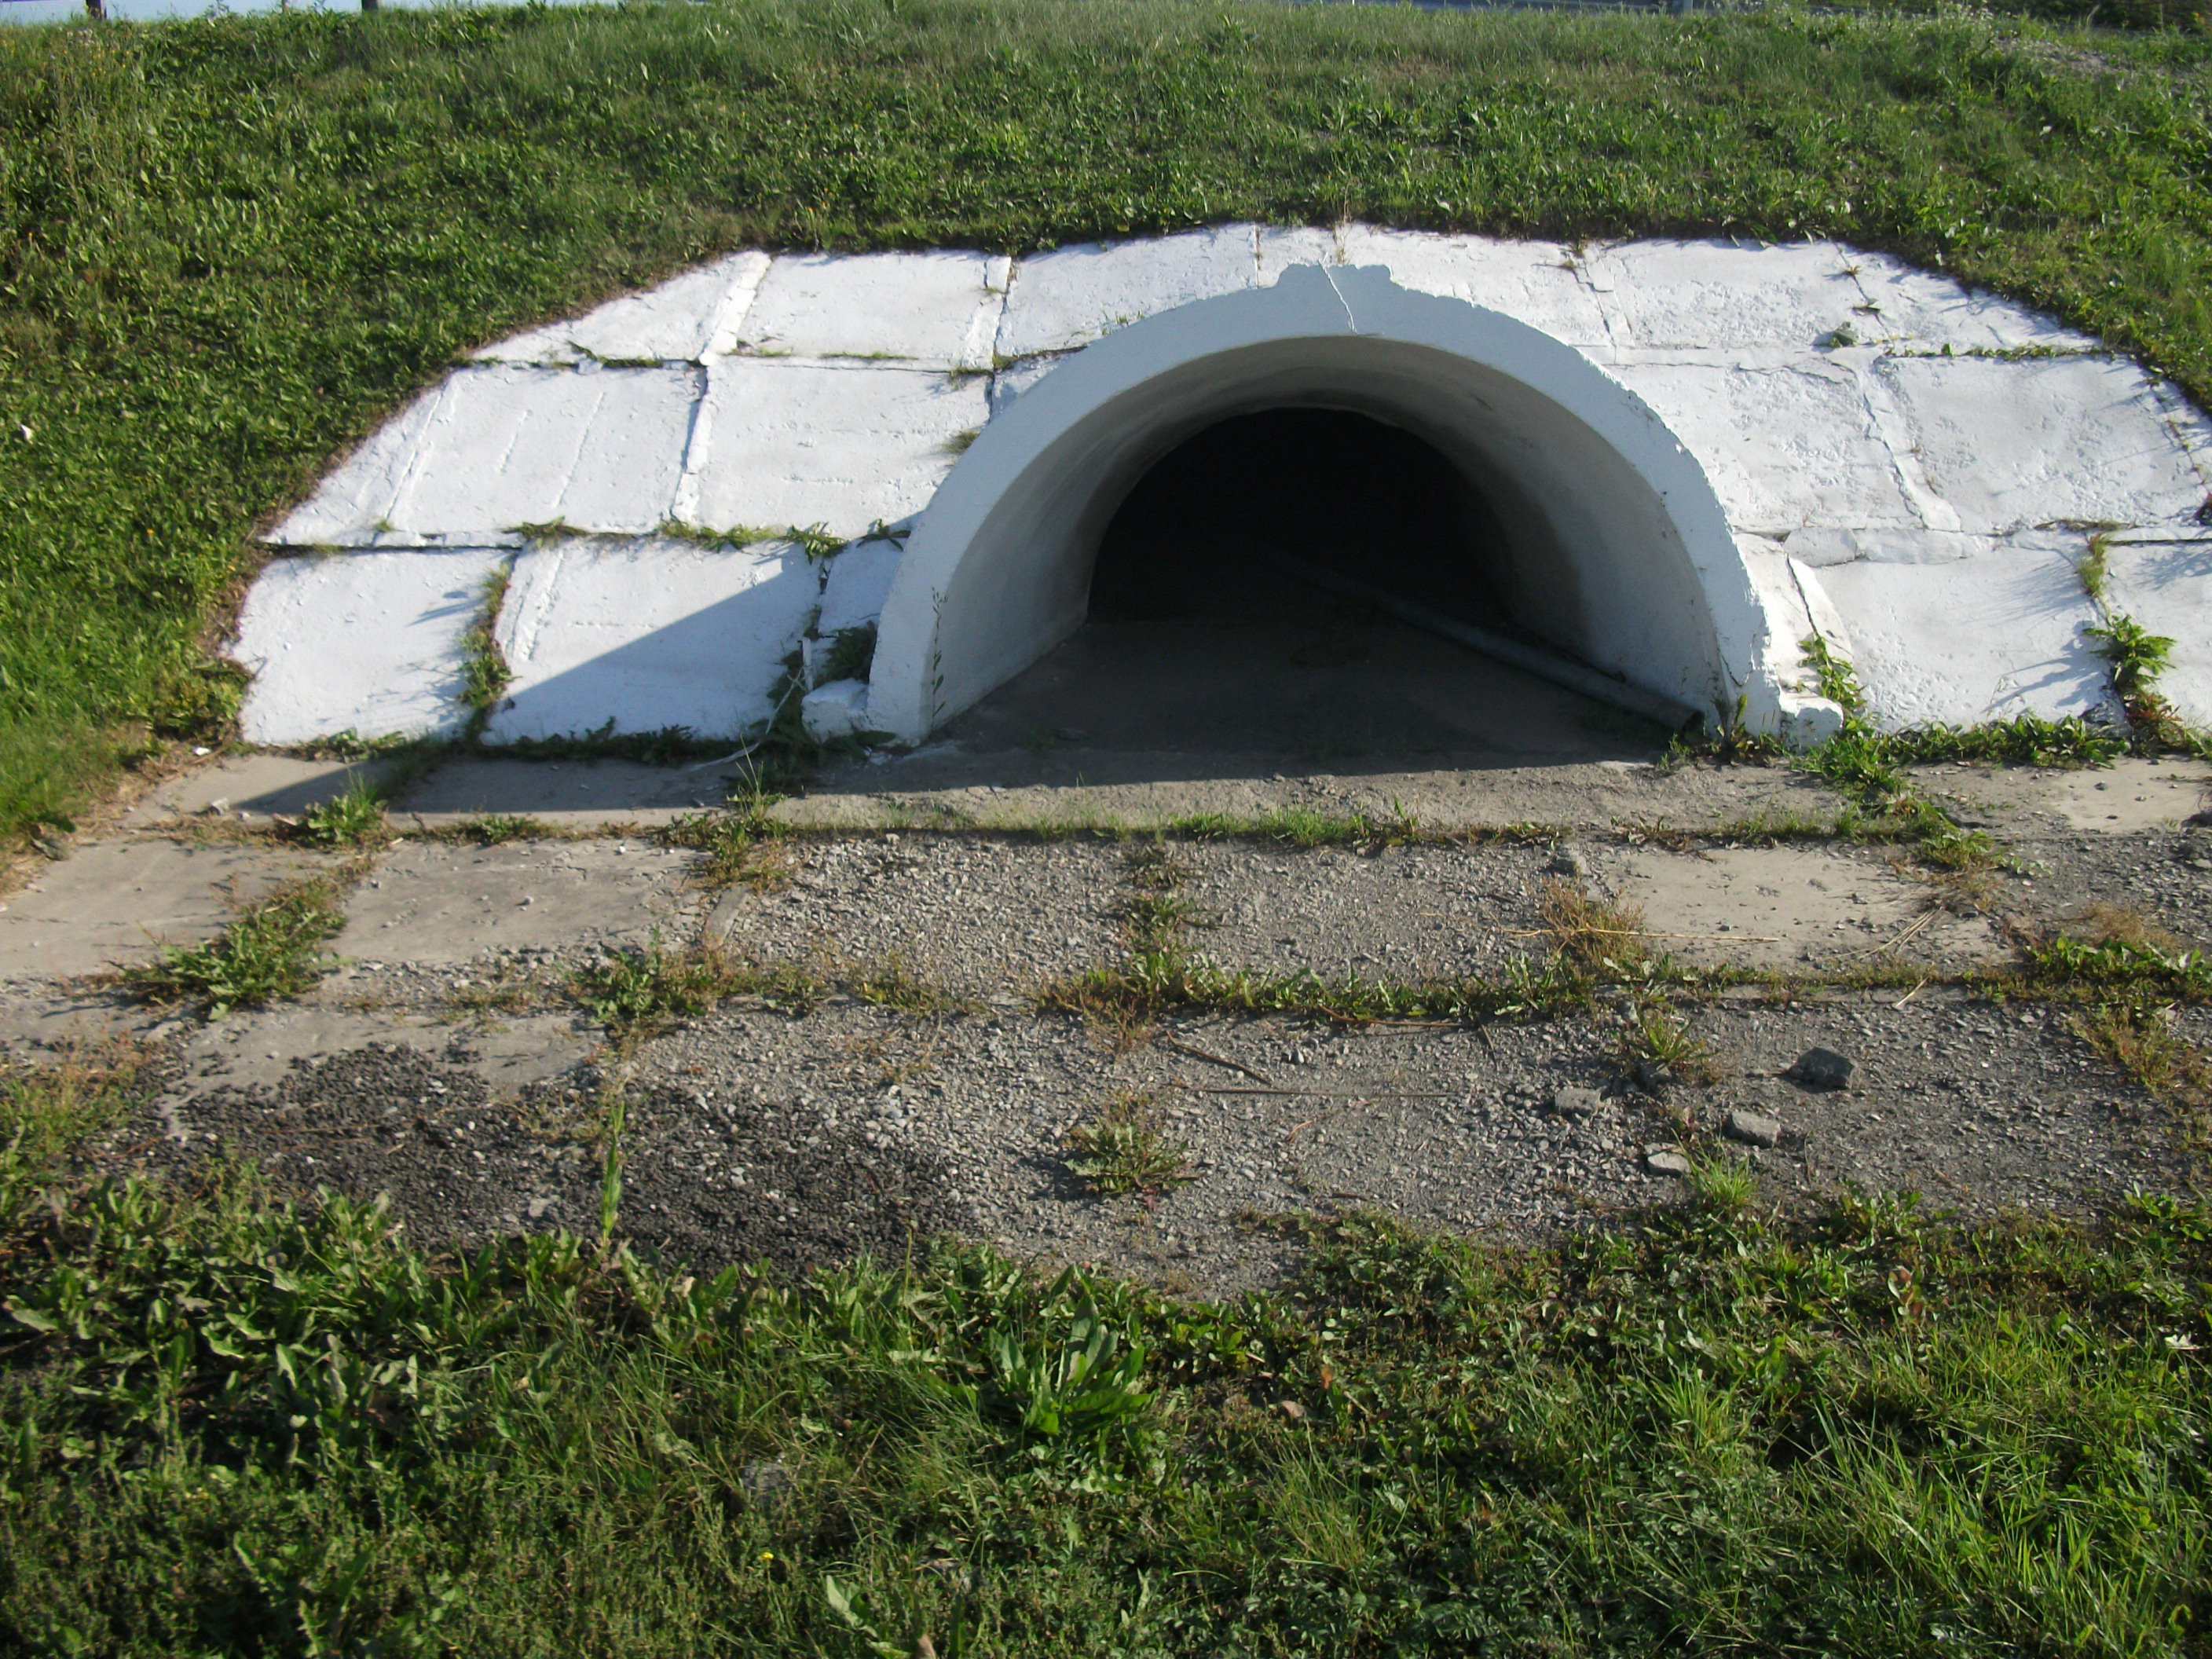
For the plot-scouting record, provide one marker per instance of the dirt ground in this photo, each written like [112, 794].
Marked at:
[446, 1062]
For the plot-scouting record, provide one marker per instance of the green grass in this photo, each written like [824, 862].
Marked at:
[230, 248]
[232, 1426]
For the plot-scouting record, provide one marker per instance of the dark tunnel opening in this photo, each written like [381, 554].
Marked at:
[1302, 581]
[1237, 523]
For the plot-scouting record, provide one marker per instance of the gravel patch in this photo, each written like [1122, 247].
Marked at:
[974, 913]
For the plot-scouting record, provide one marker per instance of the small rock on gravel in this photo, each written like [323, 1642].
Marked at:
[1666, 1160]
[1577, 1103]
[1821, 1068]
[1568, 862]
[1752, 1128]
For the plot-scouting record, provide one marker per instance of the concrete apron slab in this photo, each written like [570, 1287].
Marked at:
[981, 916]
[574, 795]
[2130, 796]
[435, 903]
[117, 901]
[257, 1048]
[254, 787]
[1071, 785]
[1790, 906]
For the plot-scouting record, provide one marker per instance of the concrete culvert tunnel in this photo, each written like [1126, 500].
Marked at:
[1330, 517]
[1290, 581]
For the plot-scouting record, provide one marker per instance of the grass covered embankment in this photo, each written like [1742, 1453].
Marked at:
[230, 1427]
[227, 249]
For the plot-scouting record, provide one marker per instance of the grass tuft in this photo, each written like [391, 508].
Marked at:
[353, 819]
[1121, 1149]
[269, 950]
[497, 829]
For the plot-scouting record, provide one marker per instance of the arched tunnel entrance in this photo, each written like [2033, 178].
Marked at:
[1279, 519]
[1237, 605]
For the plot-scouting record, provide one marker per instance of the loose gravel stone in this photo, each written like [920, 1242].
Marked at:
[1821, 1068]
[1752, 1128]
[1577, 1103]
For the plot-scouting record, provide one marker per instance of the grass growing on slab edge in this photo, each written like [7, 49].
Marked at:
[238, 1424]
[233, 247]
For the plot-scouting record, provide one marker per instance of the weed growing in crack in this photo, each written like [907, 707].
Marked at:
[2137, 657]
[353, 819]
[1604, 936]
[639, 992]
[2117, 962]
[740, 848]
[851, 654]
[497, 829]
[484, 1001]
[610, 1172]
[1722, 1184]
[269, 950]
[1303, 826]
[485, 675]
[893, 984]
[1658, 1038]
[2136, 1034]
[1121, 1149]
[1866, 766]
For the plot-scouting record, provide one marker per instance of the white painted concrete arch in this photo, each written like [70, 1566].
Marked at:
[1619, 553]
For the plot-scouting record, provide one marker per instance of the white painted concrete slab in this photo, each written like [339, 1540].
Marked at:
[1720, 297]
[649, 634]
[939, 308]
[1821, 546]
[1784, 447]
[676, 322]
[1977, 640]
[842, 445]
[500, 446]
[2012, 444]
[1534, 282]
[1073, 295]
[1017, 377]
[2169, 589]
[366, 642]
[358, 496]
[858, 579]
[1930, 310]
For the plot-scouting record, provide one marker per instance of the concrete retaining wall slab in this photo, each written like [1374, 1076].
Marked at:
[936, 308]
[1071, 296]
[2015, 444]
[2167, 587]
[1976, 640]
[839, 444]
[650, 634]
[677, 321]
[365, 643]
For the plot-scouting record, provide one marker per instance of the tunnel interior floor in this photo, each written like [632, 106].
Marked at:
[1311, 677]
